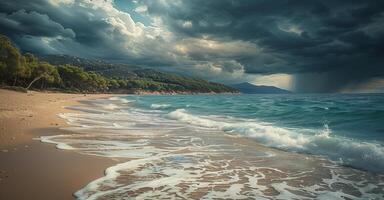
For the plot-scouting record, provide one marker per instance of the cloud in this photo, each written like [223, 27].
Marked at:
[83, 28]
[318, 46]
[141, 9]
[306, 39]
[34, 24]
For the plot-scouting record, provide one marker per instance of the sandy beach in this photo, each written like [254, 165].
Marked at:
[30, 169]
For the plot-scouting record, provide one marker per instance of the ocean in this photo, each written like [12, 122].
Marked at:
[234, 146]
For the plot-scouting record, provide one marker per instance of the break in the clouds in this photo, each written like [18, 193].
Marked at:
[308, 46]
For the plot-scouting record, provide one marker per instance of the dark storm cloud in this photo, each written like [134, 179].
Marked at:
[341, 41]
[326, 45]
[33, 23]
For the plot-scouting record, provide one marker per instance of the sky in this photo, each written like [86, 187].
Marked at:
[301, 45]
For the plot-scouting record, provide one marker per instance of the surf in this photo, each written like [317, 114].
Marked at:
[183, 152]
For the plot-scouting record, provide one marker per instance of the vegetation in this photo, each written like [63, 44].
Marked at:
[91, 76]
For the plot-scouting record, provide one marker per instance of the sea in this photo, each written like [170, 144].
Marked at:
[231, 146]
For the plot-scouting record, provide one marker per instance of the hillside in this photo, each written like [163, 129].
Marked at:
[249, 88]
[94, 65]
[139, 78]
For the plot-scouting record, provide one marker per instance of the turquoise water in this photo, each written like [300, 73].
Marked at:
[347, 128]
[358, 116]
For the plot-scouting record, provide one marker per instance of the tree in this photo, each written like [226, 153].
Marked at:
[76, 78]
[13, 63]
[45, 72]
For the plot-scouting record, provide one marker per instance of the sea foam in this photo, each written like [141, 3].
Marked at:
[160, 106]
[363, 155]
[122, 100]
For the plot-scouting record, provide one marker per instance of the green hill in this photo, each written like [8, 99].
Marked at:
[95, 65]
[139, 78]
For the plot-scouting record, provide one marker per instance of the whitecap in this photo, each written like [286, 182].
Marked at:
[358, 154]
[159, 106]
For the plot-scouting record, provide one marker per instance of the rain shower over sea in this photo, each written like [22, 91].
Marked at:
[324, 146]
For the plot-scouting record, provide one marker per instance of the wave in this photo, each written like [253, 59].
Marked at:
[110, 106]
[358, 154]
[59, 145]
[122, 100]
[159, 106]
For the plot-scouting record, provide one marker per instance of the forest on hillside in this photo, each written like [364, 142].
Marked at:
[91, 76]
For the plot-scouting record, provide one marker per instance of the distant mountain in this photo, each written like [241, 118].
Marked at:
[249, 88]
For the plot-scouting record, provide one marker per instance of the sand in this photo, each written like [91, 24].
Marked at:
[30, 169]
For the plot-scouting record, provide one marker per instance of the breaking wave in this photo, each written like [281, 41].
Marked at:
[346, 151]
[160, 106]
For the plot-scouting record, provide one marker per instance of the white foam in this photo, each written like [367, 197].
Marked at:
[123, 100]
[358, 154]
[89, 192]
[110, 106]
[159, 106]
[233, 192]
[59, 145]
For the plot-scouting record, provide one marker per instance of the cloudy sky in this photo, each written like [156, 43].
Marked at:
[306, 46]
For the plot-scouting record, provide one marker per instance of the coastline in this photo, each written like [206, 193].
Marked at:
[30, 169]
[167, 152]
[161, 156]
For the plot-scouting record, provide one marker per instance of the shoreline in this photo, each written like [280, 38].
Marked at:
[162, 157]
[30, 169]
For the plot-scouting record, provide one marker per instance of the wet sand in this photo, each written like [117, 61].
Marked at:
[30, 169]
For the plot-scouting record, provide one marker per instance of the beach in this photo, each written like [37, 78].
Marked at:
[65, 146]
[210, 100]
[30, 169]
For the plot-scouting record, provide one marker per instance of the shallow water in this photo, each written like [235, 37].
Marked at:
[174, 148]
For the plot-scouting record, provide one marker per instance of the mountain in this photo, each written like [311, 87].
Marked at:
[249, 88]
[140, 78]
